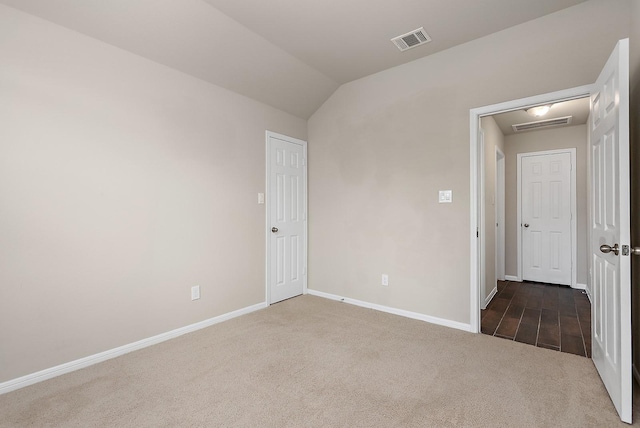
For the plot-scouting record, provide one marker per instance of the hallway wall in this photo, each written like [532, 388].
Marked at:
[493, 138]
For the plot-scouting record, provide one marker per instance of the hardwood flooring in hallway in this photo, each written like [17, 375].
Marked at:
[549, 316]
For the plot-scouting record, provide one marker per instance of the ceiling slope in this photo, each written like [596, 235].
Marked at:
[290, 54]
[197, 39]
[350, 39]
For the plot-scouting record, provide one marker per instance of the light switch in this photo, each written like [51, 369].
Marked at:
[195, 292]
[261, 198]
[445, 196]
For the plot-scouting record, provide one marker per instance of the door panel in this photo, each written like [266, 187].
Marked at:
[610, 272]
[286, 258]
[546, 217]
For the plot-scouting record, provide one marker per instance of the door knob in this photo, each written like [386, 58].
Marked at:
[609, 249]
[526, 225]
[635, 251]
[274, 229]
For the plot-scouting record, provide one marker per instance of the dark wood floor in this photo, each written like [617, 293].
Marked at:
[549, 316]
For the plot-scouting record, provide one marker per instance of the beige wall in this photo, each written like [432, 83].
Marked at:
[550, 139]
[493, 138]
[381, 147]
[123, 184]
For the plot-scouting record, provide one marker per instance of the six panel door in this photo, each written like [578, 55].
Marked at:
[610, 222]
[546, 218]
[287, 193]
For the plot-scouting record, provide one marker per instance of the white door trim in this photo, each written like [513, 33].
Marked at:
[482, 271]
[474, 125]
[268, 198]
[574, 227]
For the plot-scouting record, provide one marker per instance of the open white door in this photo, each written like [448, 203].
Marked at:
[610, 235]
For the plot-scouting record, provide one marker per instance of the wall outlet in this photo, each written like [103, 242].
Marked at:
[385, 280]
[195, 292]
[261, 198]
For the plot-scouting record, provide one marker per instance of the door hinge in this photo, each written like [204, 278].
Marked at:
[477, 233]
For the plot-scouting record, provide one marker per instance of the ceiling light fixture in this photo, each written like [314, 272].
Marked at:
[539, 110]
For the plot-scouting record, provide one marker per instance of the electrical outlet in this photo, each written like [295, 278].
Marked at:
[385, 280]
[195, 292]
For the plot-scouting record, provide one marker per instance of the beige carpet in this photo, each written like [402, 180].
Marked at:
[311, 362]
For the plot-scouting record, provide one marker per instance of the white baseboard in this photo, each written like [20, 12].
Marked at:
[30, 379]
[511, 278]
[401, 312]
[636, 375]
[580, 286]
[489, 297]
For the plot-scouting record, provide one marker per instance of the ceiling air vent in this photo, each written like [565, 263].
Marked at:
[412, 39]
[558, 121]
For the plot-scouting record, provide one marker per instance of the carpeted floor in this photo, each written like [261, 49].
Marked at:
[313, 362]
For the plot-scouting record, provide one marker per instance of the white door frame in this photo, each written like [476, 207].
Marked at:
[574, 227]
[500, 215]
[268, 232]
[474, 126]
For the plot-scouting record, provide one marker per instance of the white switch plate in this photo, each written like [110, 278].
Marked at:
[445, 196]
[195, 292]
[385, 280]
[261, 198]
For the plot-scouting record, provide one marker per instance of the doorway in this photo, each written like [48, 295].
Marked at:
[539, 167]
[478, 134]
[608, 198]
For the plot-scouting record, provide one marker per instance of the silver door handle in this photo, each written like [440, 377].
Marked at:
[609, 249]
[635, 251]
[274, 229]
[526, 225]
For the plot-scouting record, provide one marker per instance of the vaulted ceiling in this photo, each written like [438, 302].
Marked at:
[290, 54]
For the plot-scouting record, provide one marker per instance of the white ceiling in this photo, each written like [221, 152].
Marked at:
[577, 109]
[291, 54]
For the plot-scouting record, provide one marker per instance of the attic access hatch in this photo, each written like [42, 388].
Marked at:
[558, 121]
[411, 39]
